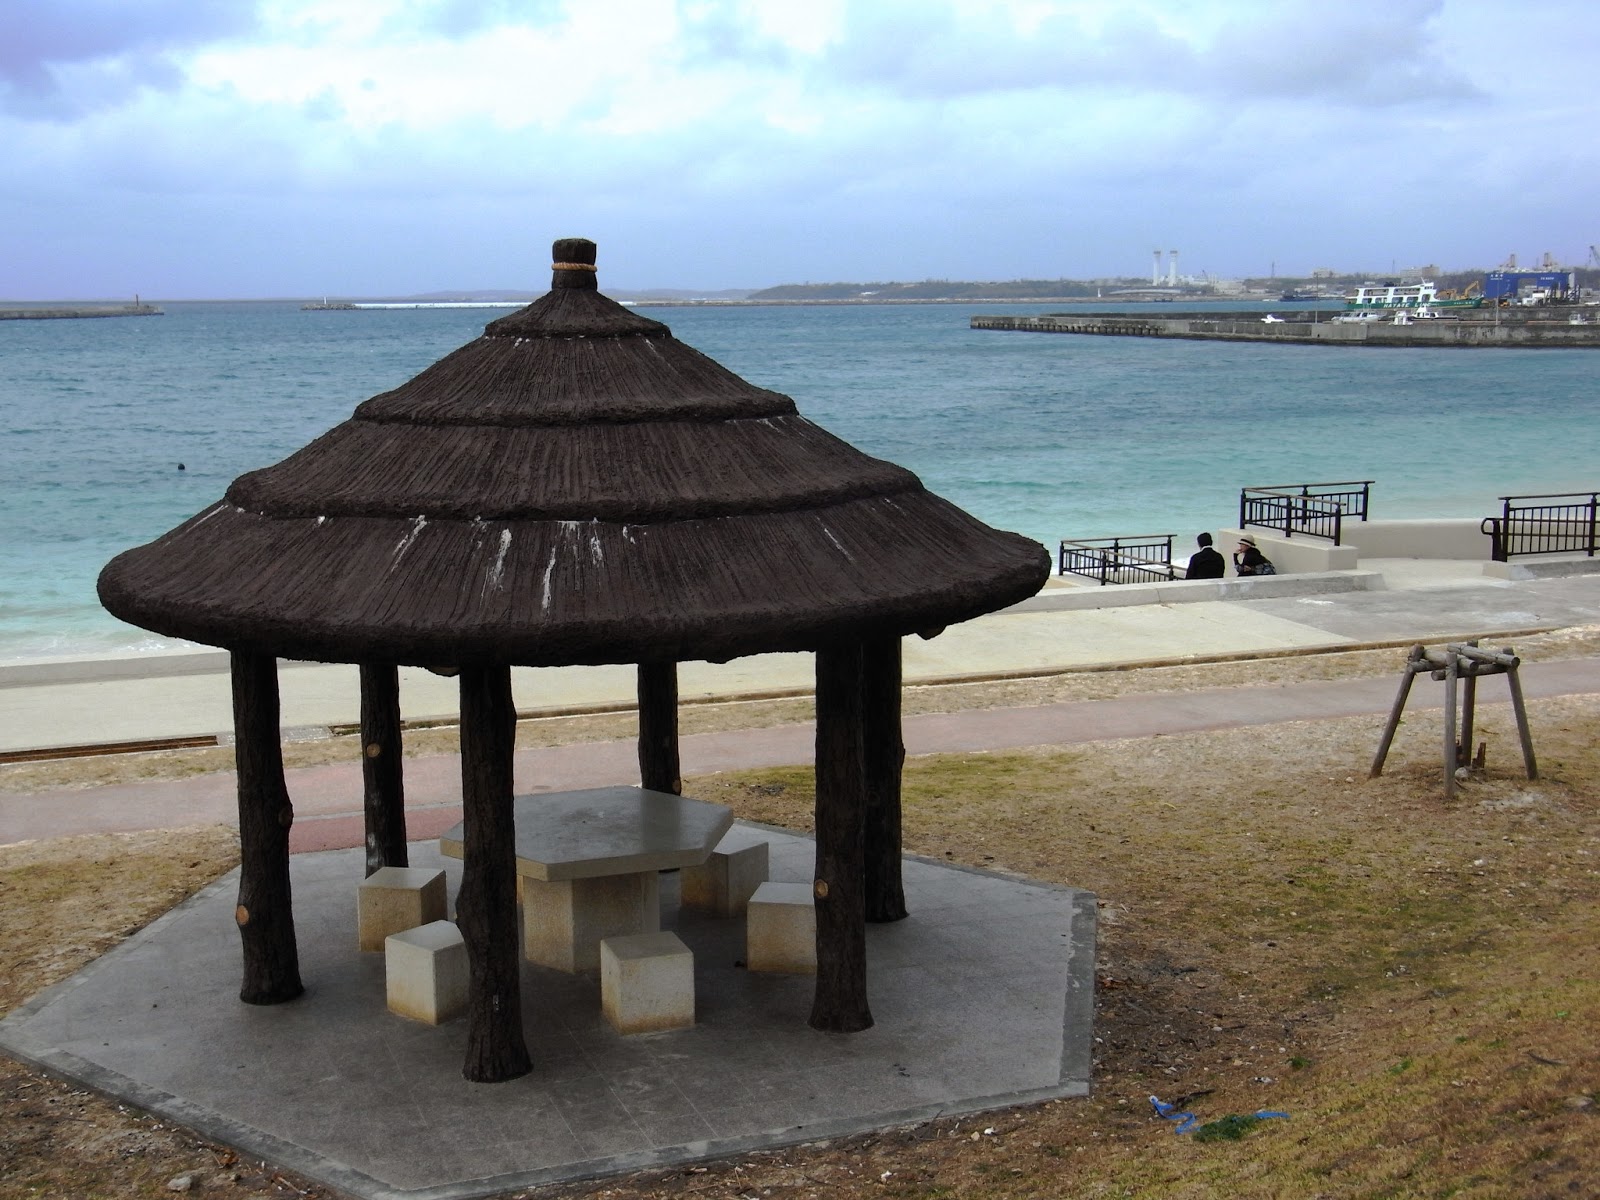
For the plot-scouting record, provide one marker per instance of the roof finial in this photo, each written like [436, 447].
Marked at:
[572, 263]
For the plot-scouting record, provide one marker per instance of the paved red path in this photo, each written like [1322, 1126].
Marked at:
[327, 799]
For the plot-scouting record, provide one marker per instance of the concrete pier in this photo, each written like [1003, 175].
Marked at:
[1320, 329]
[72, 313]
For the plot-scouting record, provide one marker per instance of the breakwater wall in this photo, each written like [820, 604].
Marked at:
[1518, 331]
[69, 314]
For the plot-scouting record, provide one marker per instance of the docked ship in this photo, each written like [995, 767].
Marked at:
[1423, 294]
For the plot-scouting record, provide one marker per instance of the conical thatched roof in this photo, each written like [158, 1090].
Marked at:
[575, 486]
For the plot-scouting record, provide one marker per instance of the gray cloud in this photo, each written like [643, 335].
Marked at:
[729, 35]
[1356, 56]
[60, 58]
[455, 20]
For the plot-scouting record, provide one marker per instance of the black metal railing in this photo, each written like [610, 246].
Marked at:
[1143, 558]
[1310, 509]
[1561, 524]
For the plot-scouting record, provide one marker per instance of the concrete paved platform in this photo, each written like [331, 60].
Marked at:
[982, 998]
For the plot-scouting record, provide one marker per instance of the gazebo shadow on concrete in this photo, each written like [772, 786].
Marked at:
[574, 487]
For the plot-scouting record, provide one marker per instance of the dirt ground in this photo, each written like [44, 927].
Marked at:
[1415, 981]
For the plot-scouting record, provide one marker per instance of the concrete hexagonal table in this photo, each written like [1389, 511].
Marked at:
[587, 864]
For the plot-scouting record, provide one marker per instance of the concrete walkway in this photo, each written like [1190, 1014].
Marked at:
[80, 702]
[1439, 605]
[327, 799]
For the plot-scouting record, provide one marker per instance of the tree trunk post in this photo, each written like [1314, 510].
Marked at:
[382, 766]
[1451, 762]
[1414, 663]
[883, 755]
[839, 890]
[486, 906]
[1529, 763]
[659, 770]
[265, 913]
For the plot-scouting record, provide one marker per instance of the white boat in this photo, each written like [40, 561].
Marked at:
[1422, 294]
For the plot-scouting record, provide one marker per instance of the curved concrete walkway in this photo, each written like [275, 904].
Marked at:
[328, 799]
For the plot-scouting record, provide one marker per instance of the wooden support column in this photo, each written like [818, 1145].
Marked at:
[659, 770]
[839, 890]
[1414, 663]
[1450, 760]
[486, 906]
[1521, 711]
[883, 754]
[265, 913]
[382, 766]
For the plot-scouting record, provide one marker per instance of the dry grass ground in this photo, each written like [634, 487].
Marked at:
[1414, 980]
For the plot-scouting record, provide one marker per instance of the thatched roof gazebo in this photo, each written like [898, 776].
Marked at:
[575, 486]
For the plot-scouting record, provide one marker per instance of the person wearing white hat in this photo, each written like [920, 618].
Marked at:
[1247, 560]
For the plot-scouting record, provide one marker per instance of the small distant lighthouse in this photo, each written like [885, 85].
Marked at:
[1155, 271]
[1172, 268]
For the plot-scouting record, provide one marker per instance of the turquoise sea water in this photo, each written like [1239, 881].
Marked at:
[1053, 436]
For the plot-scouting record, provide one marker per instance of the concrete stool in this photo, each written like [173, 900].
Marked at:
[646, 982]
[725, 882]
[425, 972]
[392, 899]
[781, 929]
[564, 920]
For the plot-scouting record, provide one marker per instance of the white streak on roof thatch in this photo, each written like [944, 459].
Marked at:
[596, 550]
[569, 529]
[544, 585]
[405, 542]
[215, 509]
[829, 534]
[498, 569]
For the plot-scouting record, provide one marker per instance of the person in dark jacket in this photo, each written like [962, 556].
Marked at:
[1247, 560]
[1205, 563]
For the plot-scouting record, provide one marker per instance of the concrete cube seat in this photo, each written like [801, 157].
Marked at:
[393, 899]
[426, 971]
[564, 920]
[724, 883]
[781, 929]
[646, 982]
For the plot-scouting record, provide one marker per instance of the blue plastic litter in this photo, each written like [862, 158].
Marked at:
[1187, 1121]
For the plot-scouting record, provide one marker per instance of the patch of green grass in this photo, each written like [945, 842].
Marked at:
[1227, 1129]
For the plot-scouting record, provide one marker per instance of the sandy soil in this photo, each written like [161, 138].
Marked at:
[1414, 980]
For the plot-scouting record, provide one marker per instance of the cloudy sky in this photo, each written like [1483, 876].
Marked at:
[244, 148]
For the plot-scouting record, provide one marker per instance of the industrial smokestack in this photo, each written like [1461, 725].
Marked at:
[1172, 269]
[1155, 272]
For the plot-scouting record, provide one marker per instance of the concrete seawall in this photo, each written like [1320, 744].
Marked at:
[70, 314]
[1518, 332]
